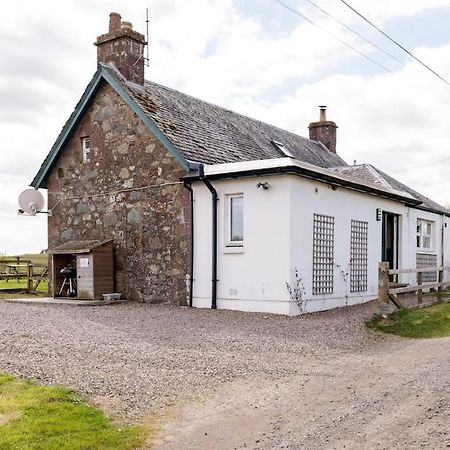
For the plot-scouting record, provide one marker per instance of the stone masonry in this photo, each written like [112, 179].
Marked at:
[101, 199]
[124, 48]
[324, 131]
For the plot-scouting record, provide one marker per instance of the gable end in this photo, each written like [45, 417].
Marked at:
[40, 180]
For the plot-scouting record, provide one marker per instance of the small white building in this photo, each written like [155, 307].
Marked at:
[322, 232]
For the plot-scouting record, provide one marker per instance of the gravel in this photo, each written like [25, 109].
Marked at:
[135, 359]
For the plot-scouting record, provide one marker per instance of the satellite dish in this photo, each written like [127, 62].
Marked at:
[31, 201]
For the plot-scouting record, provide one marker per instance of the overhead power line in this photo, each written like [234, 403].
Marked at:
[395, 42]
[422, 165]
[355, 32]
[298, 13]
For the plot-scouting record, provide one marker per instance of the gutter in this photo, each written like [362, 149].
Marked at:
[214, 198]
[191, 268]
[316, 176]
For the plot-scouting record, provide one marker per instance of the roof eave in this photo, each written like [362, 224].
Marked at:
[40, 180]
[311, 174]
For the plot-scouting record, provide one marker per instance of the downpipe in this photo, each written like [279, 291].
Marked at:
[214, 199]
[191, 268]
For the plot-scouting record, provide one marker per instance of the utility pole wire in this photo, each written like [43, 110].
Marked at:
[395, 42]
[421, 165]
[298, 13]
[355, 32]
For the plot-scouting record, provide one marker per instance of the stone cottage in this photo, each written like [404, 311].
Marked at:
[134, 156]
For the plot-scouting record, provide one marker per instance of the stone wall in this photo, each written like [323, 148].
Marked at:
[101, 199]
[324, 132]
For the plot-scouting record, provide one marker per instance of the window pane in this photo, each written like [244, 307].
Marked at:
[86, 144]
[424, 234]
[237, 218]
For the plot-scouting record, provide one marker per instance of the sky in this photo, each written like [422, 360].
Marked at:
[252, 56]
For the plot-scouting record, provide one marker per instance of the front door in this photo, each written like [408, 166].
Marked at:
[389, 241]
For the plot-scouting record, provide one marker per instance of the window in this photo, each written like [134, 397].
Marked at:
[424, 234]
[236, 221]
[358, 256]
[280, 146]
[86, 145]
[323, 255]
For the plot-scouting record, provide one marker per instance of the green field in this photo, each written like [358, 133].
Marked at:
[36, 258]
[54, 418]
[13, 287]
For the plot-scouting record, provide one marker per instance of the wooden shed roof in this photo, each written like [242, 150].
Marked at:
[77, 247]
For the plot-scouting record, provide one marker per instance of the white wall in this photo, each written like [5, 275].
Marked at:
[278, 230]
[309, 197]
[251, 278]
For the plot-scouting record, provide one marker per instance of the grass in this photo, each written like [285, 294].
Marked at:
[12, 288]
[430, 322]
[34, 417]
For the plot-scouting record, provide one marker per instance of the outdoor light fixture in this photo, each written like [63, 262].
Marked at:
[265, 185]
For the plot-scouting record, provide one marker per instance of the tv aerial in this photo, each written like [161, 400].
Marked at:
[31, 202]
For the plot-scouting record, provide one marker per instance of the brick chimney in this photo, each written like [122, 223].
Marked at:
[124, 48]
[324, 131]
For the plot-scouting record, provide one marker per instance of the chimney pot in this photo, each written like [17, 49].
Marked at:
[127, 25]
[114, 22]
[323, 114]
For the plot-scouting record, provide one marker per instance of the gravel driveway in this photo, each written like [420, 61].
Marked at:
[239, 380]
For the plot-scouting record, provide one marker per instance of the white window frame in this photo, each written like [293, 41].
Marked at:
[422, 235]
[229, 217]
[86, 149]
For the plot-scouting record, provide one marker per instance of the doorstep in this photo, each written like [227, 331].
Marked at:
[62, 301]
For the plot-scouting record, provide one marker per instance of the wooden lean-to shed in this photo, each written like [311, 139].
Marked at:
[91, 266]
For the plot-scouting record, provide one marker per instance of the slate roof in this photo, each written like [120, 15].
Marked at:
[197, 131]
[210, 134]
[371, 174]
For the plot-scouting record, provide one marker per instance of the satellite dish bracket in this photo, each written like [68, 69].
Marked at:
[21, 212]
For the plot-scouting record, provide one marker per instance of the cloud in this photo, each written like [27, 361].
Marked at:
[253, 57]
[394, 121]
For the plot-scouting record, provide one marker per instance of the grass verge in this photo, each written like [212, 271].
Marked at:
[53, 418]
[15, 289]
[432, 321]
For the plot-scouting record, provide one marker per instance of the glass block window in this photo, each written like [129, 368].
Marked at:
[358, 256]
[323, 254]
[427, 260]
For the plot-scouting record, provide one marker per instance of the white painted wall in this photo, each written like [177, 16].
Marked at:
[278, 230]
[251, 278]
[309, 197]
